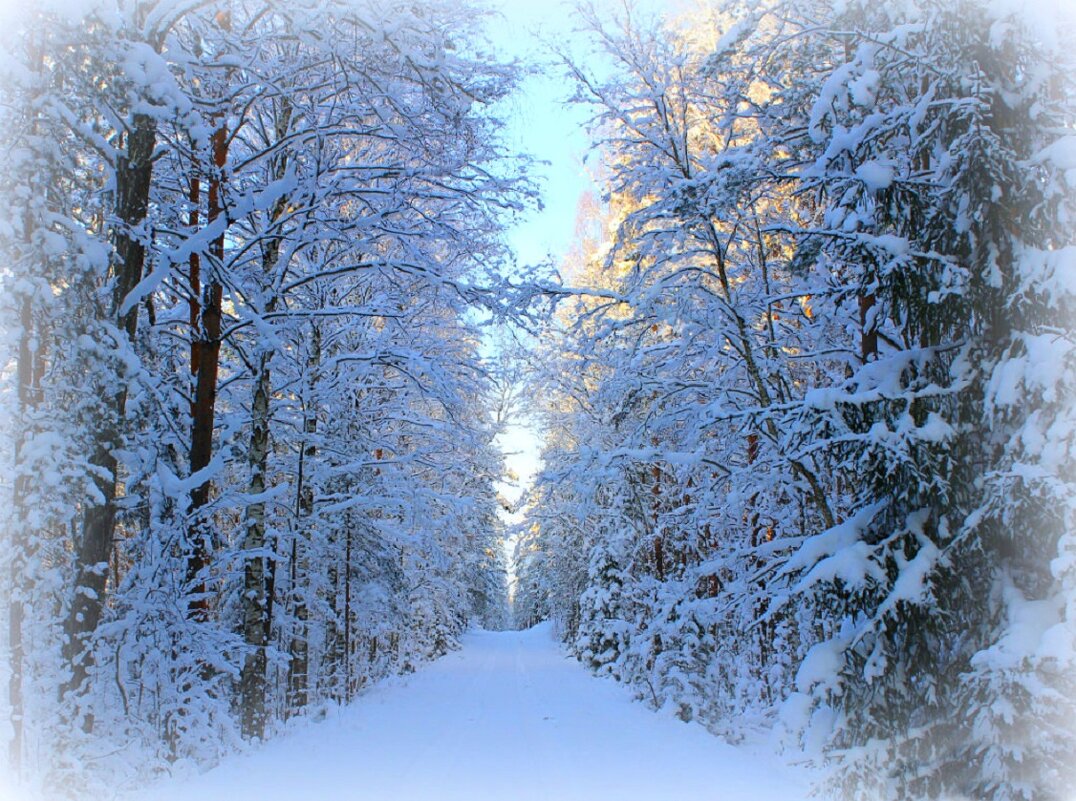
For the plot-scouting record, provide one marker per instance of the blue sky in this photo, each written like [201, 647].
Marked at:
[542, 123]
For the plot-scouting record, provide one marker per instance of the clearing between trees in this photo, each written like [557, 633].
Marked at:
[508, 717]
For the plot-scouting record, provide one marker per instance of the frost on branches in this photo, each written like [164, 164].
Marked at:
[810, 467]
[811, 439]
[253, 467]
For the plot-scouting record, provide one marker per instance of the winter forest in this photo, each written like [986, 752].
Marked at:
[799, 390]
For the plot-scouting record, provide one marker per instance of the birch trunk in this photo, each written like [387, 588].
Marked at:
[257, 622]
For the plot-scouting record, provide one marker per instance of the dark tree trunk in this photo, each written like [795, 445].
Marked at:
[134, 172]
[656, 508]
[868, 343]
[347, 616]
[205, 361]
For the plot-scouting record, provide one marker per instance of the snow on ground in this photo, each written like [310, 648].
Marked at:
[509, 717]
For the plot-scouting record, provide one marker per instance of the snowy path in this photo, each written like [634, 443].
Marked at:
[507, 718]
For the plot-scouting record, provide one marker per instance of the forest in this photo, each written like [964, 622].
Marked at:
[804, 381]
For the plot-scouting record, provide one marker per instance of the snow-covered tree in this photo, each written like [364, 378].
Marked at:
[254, 464]
[794, 411]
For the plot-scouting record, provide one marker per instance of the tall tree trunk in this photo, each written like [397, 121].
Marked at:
[347, 615]
[333, 660]
[298, 668]
[134, 172]
[205, 364]
[16, 612]
[257, 609]
[656, 510]
[205, 360]
[28, 395]
[256, 624]
[765, 644]
[195, 271]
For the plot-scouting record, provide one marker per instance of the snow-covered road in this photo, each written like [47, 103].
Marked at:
[509, 717]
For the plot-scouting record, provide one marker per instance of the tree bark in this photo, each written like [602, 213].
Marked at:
[16, 612]
[298, 667]
[868, 343]
[27, 369]
[347, 616]
[134, 172]
[256, 624]
[205, 359]
[257, 609]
